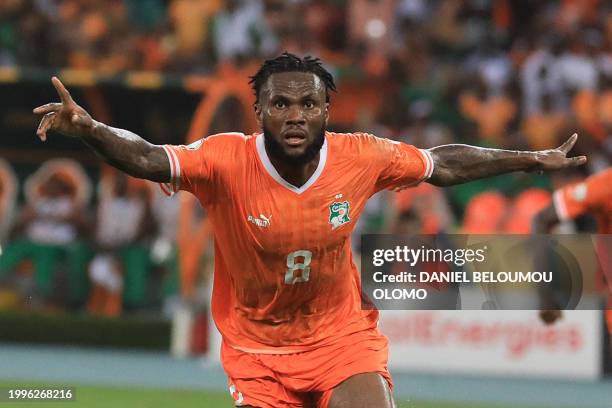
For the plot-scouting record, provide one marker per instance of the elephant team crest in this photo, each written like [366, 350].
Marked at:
[339, 214]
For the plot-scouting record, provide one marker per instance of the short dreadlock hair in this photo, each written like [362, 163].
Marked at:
[287, 62]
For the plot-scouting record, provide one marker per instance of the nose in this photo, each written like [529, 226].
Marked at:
[295, 116]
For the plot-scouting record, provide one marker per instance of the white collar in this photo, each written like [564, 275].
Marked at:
[265, 160]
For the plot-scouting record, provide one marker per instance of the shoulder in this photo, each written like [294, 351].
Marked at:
[218, 142]
[361, 142]
[229, 137]
[355, 137]
[226, 139]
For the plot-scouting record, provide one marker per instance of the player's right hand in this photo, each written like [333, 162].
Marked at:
[550, 316]
[65, 117]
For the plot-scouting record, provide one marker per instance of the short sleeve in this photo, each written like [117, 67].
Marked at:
[577, 199]
[191, 167]
[400, 165]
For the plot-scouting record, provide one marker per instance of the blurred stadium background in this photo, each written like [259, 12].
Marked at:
[104, 283]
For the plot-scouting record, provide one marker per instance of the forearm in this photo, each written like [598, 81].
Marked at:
[128, 152]
[457, 163]
[123, 149]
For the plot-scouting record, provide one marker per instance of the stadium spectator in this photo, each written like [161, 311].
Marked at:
[240, 31]
[120, 267]
[428, 204]
[51, 228]
[325, 22]
[485, 213]
[186, 42]
[541, 75]
[593, 109]
[492, 65]
[543, 128]
[164, 246]
[20, 29]
[370, 24]
[491, 112]
[423, 130]
[578, 62]
[524, 208]
[446, 29]
[8, 199]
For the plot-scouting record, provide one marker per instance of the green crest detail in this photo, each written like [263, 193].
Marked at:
[339, 214]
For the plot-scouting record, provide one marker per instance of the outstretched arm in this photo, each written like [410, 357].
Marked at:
[121, 148]
[457, 163]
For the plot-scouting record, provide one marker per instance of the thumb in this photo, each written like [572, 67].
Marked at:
[578, 160]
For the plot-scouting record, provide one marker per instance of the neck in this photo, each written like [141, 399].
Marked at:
[296, 174]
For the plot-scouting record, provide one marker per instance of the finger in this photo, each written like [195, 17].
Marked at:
[576, 161]
[45, 124]
[62, 91]
[569, 143]
[44, 121]
[46, 108]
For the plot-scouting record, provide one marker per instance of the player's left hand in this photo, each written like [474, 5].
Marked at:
[555, 159]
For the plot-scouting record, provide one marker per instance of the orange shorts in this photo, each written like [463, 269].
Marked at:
[304, 379]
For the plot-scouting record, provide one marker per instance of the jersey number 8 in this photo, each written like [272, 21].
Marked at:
[292, 276]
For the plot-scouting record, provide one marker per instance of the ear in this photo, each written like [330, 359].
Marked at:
[258, 115]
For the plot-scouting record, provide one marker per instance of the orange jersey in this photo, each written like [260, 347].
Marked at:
[593, 195]
[284, 280]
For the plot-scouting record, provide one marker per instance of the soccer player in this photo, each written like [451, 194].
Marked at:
[283, 203]
[593, 196]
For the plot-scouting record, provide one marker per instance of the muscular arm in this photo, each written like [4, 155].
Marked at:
[121, 148]
[128, 152]
[457, 163]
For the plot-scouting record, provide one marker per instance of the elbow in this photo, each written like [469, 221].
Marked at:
[443, 174]
[443, 177]
[447, 173]
[138, 167]
[154, 165]
[439, 182]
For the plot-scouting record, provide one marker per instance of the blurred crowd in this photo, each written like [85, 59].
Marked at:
[60, 251]
[516, 74]
[505, 73]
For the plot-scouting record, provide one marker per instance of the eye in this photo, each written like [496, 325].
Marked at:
[279, 105]
[309, 104]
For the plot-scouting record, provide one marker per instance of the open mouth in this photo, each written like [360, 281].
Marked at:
[294, 138]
